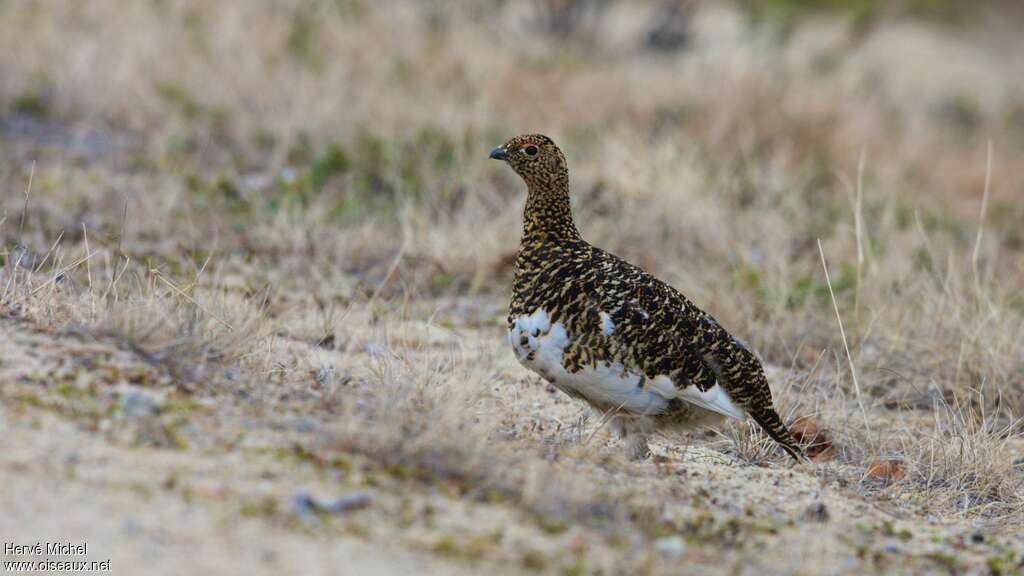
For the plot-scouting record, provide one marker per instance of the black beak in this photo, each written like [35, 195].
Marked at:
[498, 153]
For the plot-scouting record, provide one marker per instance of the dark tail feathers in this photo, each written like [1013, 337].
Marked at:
[771, 423]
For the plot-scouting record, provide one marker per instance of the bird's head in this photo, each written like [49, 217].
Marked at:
[536, 159]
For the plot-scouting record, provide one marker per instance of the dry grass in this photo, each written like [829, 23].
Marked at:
[278, 219]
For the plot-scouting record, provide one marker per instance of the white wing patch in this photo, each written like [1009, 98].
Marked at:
[715, 399]
[607, 326]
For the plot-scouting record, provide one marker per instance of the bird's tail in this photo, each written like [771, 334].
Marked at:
[747, 385]
[769, 421]
[749, 388]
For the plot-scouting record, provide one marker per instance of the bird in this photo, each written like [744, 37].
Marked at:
[606, 332]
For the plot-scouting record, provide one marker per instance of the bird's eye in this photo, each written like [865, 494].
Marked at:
[530, 150]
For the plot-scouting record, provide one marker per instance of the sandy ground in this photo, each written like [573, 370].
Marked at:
[112, 466]
[65, 482]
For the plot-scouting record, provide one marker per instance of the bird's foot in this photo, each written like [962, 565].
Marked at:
[637, 448]
[633, 434]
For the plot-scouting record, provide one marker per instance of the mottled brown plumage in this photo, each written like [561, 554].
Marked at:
[607, 332]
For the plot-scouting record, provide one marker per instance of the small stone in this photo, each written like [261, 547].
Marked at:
[376, 350]
[138, 404]
[130, 527]
[671, 546]
[257, 181]
[891, 548]
[305, 424]
[24, 257]
[325, 374]
[816, 512]
[306, 506]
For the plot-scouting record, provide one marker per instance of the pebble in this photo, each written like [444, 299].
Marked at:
[325, 374]
[131, 527]
[24, 257]
[306, 506]
[374, 349]
[304, 424]
[816, 512]
[671, 546]
[138, 404]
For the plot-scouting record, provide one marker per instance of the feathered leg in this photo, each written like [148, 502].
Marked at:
[633, 433]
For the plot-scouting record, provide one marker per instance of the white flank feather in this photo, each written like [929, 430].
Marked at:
[715, 399]
[539, 345]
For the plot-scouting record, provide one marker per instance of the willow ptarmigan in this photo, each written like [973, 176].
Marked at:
[604, 331]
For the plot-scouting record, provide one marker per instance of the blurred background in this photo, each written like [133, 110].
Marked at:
[262, 200]
[713, 142]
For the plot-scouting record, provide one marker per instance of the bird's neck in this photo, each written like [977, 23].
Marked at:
[548, 216]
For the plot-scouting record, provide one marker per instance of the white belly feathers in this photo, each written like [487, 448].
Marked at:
[539, 344]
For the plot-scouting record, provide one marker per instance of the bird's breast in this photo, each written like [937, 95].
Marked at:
[541, 345]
